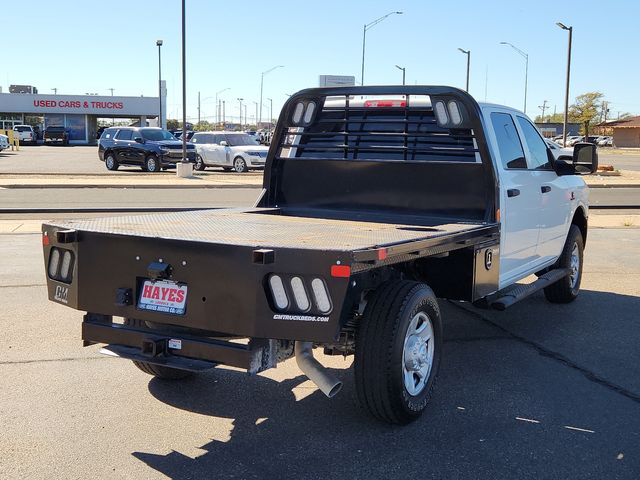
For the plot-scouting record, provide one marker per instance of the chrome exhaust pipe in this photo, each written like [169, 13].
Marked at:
[327, 383]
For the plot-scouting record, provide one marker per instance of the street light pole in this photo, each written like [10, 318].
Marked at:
[468, 54]
[240, 121]
[217, 106]
[526, 70]
[159, 44]
[256, 103]
[270, 111]
[566, 94]
[403, 72]
[261, 88]
[366, 27]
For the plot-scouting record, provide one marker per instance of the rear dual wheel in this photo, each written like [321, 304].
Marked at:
[398, 350]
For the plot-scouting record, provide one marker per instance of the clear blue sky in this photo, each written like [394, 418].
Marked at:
[85, 46]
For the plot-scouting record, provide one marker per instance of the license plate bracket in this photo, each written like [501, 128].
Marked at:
[164, 296]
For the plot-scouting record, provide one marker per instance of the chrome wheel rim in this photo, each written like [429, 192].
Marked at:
[199, 162]
[417, 354]
[152, 165]
[109, 161]
[574, 266]
[239, 165]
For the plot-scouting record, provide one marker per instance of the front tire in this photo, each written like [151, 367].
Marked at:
[566, 289]
[110, 162]
[152, 164]
[199, 163]
[398, 350]
[239, 165]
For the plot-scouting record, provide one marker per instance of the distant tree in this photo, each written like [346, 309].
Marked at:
[203, 126]
[586, 110]
[555, 118]
[172, 124]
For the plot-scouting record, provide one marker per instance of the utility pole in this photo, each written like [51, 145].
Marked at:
[468, 54]
[198, 107]
[543, 107]
[112, 89]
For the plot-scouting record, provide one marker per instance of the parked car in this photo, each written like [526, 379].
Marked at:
[605, 142]
[151, 148]
[572, 140]
[230, 150]
[56, 134]
[25, 134]
[557, 150]
[4, 142]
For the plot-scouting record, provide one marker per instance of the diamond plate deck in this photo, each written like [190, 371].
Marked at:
[249, 227]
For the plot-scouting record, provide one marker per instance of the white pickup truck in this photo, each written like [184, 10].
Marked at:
[25, 134]
[377, 201]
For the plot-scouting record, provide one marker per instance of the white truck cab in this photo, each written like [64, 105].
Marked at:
[537, 204]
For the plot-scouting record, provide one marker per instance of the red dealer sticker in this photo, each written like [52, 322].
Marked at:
[163, 296]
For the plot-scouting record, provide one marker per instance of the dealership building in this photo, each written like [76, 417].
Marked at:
[79, 114]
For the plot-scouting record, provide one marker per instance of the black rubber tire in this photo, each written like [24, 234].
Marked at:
[199, 165]
[380, 341]
[152, 164]
[159, 371]
[563, 291]
[114, 166]
[239, 165]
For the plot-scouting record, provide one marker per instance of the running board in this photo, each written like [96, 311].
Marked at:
[513, 295]
[181, 363]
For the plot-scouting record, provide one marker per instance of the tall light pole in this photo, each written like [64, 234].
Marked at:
[403, 72]
[240, 114]
[566, 94]
[369, 26]
[112, 89]
[261, 87]
[256, 104]
[526, 70]
[468, 54]
[55, 91]
[270, 111]
[217, 107]
[159, 44]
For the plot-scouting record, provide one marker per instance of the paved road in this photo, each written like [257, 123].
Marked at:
[126, 197]
[539, 391]
[177, 197]
[84, 159]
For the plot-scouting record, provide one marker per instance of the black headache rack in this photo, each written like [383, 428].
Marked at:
[382, 151]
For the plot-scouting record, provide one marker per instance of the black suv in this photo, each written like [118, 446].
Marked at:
[151, 148]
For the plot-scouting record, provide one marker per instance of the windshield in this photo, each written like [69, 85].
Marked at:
[155, 135]
[239, 139]
[55, 129]
[22, 129]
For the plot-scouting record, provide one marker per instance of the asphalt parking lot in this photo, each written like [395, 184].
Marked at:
[538, 391]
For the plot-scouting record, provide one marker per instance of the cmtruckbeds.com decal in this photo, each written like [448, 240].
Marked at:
[301, 318]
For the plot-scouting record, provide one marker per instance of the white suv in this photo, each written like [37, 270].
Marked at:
[4, 142]
[237, 151]
[25, 134]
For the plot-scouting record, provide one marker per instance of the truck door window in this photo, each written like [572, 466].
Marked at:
[511, 152]
[124, 135]
[537, 147]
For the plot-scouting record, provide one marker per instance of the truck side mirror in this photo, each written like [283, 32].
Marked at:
[583, 162]
[138, 140]
[585, 158]
[224, 143]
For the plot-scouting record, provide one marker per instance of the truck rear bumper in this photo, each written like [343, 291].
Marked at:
[178, 351]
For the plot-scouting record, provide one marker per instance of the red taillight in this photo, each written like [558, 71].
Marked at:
[45, 239]
[340, 271]
[382, 253]
[384, 103]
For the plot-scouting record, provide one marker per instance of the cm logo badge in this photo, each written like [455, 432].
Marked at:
[61, 294]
